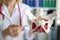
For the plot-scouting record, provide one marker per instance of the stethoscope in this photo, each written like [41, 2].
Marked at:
[20, 16]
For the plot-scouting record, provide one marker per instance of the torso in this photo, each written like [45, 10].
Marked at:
[13, 19]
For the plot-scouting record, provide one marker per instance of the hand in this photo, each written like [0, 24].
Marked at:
[13, 30]
[40, 18]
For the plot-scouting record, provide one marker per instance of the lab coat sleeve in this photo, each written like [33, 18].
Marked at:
[1, 23]
[1, 28]
[26, 26]
[29, 13]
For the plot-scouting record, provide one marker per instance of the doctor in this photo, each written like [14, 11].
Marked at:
[13, 20]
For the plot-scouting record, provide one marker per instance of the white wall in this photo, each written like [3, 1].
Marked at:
[58, 8]
[58, 12]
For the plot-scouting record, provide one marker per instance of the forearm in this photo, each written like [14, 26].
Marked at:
[5, 33]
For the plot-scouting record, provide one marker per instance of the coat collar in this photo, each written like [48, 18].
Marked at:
[5, 11]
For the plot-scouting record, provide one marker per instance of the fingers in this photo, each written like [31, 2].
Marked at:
[14, 30]
[14, 34]
[13, 25]
[41, 18]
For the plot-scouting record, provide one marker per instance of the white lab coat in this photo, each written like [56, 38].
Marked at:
[14, 19]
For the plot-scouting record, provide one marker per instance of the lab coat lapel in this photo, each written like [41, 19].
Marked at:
[4, 11]
[5, 15]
